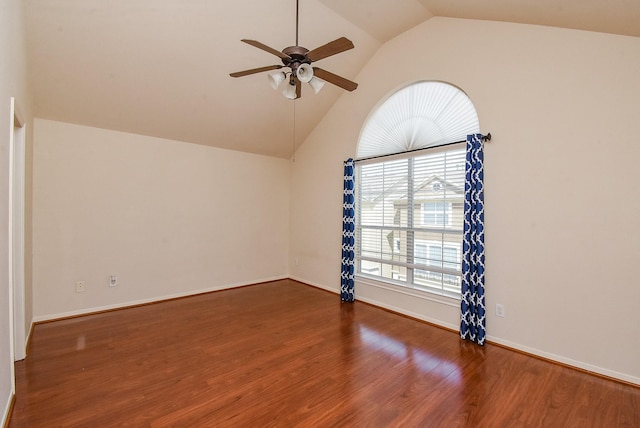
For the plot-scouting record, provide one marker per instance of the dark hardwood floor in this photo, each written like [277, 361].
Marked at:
[285, 354]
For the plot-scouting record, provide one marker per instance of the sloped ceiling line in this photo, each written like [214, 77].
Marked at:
[161, 68]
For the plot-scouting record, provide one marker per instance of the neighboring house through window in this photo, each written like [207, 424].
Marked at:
[409, 214]
[436, 213]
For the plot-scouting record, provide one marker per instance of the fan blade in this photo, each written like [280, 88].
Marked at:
[339, 45]
[298, 88]
[255, 70]
[264, 47]
[334, 79]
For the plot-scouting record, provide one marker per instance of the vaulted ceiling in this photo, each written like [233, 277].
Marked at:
[161, 67]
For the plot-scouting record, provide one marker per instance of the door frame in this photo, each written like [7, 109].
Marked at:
[16, 242]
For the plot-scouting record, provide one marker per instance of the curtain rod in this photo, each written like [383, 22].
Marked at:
[484, 138]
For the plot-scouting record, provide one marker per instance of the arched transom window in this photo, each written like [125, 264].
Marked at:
[421, 115]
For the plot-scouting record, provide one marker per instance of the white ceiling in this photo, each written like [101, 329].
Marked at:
[161, 67]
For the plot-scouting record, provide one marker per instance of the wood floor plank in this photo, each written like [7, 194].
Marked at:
[285, 354]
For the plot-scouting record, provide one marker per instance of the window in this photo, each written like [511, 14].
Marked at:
[409, 202]
[436, 213]
[409, 232]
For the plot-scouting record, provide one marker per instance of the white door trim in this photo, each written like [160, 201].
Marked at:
[16, 233]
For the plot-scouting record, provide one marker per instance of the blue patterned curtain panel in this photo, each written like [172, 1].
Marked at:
[348, 234]
[473, 313]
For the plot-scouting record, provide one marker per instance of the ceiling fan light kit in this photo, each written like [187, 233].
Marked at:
[316, 84]
[298, 60]
[290, 90]
[275, 79]
[304, 73]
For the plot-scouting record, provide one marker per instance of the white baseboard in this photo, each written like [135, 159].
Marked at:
[381, 304]
[5, 413]
[506, 343]
[87, 311]
[31, 326]
[409, 313]
[566, 361]
[316, 285]
[512, 345]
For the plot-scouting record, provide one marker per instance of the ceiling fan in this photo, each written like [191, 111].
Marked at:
[298, 60]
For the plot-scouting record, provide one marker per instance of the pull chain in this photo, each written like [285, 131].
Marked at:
[293, 156]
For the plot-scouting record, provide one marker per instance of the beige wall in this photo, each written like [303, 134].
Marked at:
[168, 218]
[172, 219]
[562, 236]
[13, 83]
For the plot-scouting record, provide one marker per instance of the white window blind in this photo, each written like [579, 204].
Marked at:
[421, 115]
[409, 219]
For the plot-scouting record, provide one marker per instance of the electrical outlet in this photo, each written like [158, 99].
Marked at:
[80, 286]
[500, 311]
[113, 281]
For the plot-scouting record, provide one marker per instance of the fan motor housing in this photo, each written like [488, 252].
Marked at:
[296, 54]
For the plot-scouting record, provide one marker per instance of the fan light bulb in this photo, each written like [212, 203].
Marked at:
[275, 79]
[316, 84]
[290, 91]
[304, 73]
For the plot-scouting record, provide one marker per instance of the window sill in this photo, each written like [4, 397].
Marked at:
[402, 289]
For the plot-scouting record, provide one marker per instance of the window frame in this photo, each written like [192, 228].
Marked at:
[408, 280]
